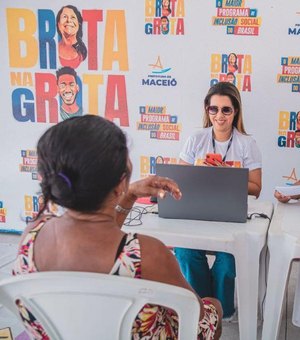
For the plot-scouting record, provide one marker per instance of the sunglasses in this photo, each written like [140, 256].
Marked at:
[213, 110]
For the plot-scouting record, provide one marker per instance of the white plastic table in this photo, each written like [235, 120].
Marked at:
[244, 240]
[284, 246]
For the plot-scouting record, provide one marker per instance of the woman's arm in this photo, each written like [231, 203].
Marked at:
[159, 264]
[284, 199]
[150, 186]
[254, 182]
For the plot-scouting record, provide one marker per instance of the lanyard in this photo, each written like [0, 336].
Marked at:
[228, 146]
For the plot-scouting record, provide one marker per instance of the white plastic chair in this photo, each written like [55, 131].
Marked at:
[284, 247]
[296, 310]
[77, 305]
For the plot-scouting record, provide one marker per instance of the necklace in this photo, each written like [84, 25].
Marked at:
[228, 146]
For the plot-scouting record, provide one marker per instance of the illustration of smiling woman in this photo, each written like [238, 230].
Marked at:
[71, 49]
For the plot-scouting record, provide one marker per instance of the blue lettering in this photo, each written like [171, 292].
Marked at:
[224, 63]
[152, 165]
[158, 8]
[292, 121]
[35, 203]
[148, 28]
[281, 141]
[47, 31]
[27, 106]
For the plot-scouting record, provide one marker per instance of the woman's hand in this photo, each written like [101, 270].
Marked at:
[284, 199]
[153, 186]
[281, 198]
[149, 186]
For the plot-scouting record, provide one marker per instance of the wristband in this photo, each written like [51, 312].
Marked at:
[122, 210]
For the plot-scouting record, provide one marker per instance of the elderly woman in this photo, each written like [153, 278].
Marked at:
[85, 167]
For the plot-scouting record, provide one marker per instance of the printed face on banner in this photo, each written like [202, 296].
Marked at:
[235, 68]
[164, 17]
[42, 41]
[238, 19]
[289, 129]
[162, 125]
[68, 88]
[290, 72]
[67, 23]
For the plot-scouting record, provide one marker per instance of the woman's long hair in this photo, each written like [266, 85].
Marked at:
[231, 91]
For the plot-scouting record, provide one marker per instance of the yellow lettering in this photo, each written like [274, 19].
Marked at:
[28, 203]
[149, 8]
[180, 8]
[215, 63]
[22, 45]
[284, 120]
[247, 64]
[93, 81]
[115, 41]
[144, 165]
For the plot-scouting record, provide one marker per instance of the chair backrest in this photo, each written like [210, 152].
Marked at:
[77, 305]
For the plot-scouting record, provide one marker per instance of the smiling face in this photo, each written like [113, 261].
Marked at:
[67, 88]
[230, 78]
[231, 59]
[297, 138]
[68, 22]
[222, 124]
[165, 3]
[164, 22]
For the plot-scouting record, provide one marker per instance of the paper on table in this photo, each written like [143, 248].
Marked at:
[289, 190]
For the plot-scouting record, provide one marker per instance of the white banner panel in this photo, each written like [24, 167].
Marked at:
[146, 65]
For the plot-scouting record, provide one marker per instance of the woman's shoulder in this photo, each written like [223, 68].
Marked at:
[201, 133]
[151, 247]
[35, 226]
[246, 142]
[244, 137]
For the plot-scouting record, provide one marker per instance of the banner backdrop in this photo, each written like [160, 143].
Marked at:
[146, 65]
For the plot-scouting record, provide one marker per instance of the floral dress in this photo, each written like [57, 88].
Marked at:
[152, 322]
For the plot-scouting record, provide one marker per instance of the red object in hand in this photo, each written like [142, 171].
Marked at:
[214, 159]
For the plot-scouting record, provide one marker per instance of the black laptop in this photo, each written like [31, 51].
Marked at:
[208, 193]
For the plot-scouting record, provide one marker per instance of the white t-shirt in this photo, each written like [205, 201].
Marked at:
[243, 151]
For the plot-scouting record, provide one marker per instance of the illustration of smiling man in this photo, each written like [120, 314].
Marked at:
[68, 88]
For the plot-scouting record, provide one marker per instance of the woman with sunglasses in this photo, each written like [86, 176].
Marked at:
[223, 134]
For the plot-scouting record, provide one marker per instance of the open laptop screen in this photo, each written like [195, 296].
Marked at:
[208, 193]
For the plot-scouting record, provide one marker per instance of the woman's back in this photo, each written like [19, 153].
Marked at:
[67, 244]
[85, 168]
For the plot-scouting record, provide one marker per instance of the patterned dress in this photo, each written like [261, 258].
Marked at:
[152, 322]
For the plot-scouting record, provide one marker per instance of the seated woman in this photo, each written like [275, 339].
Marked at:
[85, 167]
[223, 134]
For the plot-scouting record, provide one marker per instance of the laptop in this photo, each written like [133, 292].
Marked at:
[208, 193]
